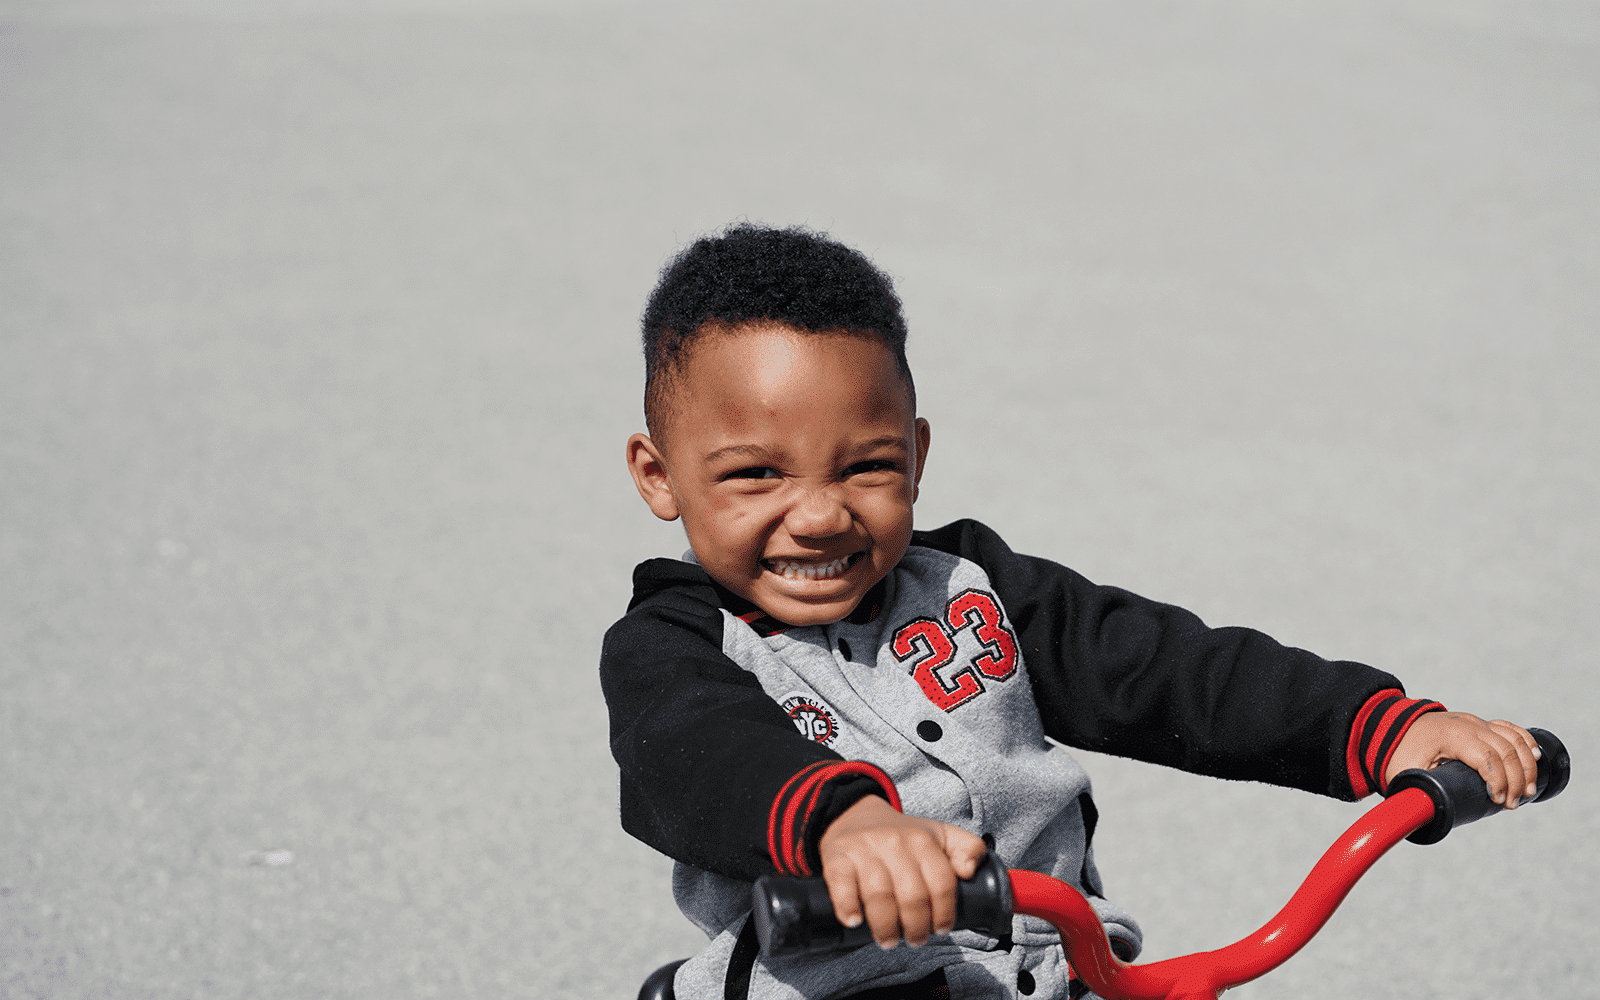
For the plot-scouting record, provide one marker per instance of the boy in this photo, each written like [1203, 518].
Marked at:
[817, 688]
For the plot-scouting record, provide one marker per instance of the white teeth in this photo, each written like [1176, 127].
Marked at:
[809, 571]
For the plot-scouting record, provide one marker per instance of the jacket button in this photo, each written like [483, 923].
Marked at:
[1025, 983]
[929, 731]
[844, 649]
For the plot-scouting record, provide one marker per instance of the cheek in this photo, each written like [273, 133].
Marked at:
[733, 525]
[710, 507]
[888, 514]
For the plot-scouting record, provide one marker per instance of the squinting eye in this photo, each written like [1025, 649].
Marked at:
[872, 465]
[755, 472]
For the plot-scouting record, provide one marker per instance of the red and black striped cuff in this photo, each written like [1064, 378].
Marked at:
[797, 803]
[1380, 724]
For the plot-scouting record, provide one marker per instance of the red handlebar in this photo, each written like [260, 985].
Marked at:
[1202, 976]
[794, 916]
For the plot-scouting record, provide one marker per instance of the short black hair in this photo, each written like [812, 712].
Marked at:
[750, 272]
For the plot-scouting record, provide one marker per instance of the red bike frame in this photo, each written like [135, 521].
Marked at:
[794, 916]
[1204, 975]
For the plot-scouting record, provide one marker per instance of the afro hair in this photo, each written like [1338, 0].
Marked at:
[750, 272]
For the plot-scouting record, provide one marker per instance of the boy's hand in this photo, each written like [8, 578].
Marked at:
[901, 870]
[1505, 755]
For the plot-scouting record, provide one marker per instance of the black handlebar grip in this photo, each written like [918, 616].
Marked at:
[1460, 796]
[794, 916]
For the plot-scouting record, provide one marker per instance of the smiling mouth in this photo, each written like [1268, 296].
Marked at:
[791, 570]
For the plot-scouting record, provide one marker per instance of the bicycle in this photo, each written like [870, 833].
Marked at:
[795, 916]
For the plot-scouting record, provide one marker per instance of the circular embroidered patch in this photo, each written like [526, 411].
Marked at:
[814, 721]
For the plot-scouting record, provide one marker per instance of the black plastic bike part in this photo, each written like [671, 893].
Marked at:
[794, 916]
[1560, 763]
[1460, 796]
[659, 985]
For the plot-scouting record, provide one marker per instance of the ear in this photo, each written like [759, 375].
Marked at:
[922, 455]
[649, 471]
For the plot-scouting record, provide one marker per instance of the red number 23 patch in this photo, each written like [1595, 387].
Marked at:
[932, 645]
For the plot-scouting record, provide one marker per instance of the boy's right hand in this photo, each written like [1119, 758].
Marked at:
[898, 872]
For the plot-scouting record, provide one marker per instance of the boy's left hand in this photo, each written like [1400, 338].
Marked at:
[1505, 755]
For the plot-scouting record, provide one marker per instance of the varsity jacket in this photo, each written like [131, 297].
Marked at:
[951, 691]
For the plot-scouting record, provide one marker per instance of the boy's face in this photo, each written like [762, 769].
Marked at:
[793, 459]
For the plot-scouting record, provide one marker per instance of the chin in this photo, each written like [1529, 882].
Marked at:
[801, 621]
[799, 614]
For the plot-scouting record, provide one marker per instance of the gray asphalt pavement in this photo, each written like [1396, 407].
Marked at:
[317, 356]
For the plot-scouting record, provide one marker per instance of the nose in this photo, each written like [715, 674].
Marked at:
[819, 513]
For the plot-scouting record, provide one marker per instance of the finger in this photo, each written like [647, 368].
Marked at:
[964, 850]
[843, 890]
[876, 885]
[914, 897]
[1505, 751]
[1495, 757]
[1527, 751]
[940, 879]
[1526, 736]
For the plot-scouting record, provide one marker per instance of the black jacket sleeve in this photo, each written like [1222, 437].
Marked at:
[714, 774]
[1117, 673]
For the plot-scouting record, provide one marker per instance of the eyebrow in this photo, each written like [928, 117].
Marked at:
[758, 451]
[736, 449]
[883, 441]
